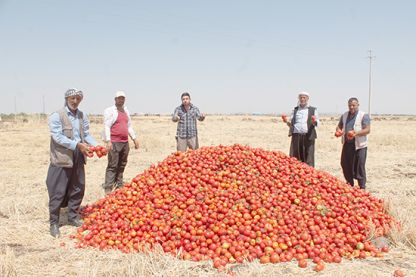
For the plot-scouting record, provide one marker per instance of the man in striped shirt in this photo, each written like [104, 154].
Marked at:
[186, 116]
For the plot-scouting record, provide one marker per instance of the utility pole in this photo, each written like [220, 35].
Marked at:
[370, 59]
[43, 104]
[15, 108]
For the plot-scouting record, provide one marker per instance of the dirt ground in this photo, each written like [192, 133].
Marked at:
[27, 249]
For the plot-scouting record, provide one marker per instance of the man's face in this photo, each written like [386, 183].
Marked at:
[73, 101]
[353, 106]
[303, 100]
[186, 100]
[120, 101]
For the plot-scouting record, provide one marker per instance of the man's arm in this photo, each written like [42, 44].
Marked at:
[132, 134]
[365, 123]
[316, 120]
[200, 116]
[175, 116]
[55, 127]
[108, 121]
[87, 136]
[340, 125]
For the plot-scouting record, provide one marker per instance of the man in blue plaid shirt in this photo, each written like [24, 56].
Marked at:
[186, 116]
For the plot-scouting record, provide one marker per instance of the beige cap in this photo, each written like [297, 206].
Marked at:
[120, 93]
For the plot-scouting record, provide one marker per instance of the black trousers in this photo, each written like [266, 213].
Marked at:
[303, 149]
[66, 186]
[353, 164]
[117, 161]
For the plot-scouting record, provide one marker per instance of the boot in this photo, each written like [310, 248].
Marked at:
[54, 230]
[75, 222]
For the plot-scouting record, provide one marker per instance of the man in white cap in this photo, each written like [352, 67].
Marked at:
[69, 146]
[117, 129]
[302, 131]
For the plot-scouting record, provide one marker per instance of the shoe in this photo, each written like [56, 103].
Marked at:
[108, 190]
[55, 231]
[119, 185]
[75, 222]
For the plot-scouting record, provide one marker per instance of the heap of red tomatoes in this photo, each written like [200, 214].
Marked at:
[231, 203]
[99, 150]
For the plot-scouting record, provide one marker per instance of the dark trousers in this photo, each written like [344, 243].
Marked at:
[303, 149]
[66, 186]
[353, 164]
[117, 161]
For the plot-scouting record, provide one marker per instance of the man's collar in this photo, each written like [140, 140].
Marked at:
[190, 105]
[352, 114]
[69, 111]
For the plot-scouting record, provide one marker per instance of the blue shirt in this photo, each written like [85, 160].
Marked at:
[55, 127]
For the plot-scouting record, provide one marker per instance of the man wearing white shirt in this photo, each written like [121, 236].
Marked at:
[117, 129]
[302, 125]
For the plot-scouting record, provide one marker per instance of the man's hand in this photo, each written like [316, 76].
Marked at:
[84, 148]
[175, 118]
[136, 143]
[109, 146]
[339, 133]
[313, 118]
[351, 134]
[201, 117]
[284, 118]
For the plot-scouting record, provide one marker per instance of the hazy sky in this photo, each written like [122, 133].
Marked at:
[232, 56]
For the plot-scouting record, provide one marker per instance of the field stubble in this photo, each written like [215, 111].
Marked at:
[27, 249]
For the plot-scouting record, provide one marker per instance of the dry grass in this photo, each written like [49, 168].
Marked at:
[27, 249]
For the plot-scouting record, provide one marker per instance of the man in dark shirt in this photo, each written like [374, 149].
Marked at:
[354, 126]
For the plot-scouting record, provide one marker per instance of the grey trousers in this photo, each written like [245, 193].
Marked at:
[183, 143]
[117, 161]
[66, 186]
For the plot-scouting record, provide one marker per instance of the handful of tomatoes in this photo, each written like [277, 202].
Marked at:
[98, 150]
[339, 133]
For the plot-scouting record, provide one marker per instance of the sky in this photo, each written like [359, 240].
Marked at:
[231, 56]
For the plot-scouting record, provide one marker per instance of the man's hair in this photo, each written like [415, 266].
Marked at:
[185, 94]
[353, 99]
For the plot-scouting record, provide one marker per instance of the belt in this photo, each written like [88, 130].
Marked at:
[299, 134]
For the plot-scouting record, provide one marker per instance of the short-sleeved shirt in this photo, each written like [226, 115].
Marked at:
[349, 125]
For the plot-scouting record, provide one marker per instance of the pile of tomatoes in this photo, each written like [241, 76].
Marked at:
[234, 203]
[99, 150]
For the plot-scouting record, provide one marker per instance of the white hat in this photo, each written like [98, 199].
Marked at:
[303, 93]
[120, 93]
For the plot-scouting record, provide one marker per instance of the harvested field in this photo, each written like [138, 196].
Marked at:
[27, 249]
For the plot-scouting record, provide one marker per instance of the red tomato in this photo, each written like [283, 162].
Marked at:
[339, 133]
[398, 273]
[351, 134]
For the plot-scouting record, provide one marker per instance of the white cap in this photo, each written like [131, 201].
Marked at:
[120, 93]
[303, 93]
